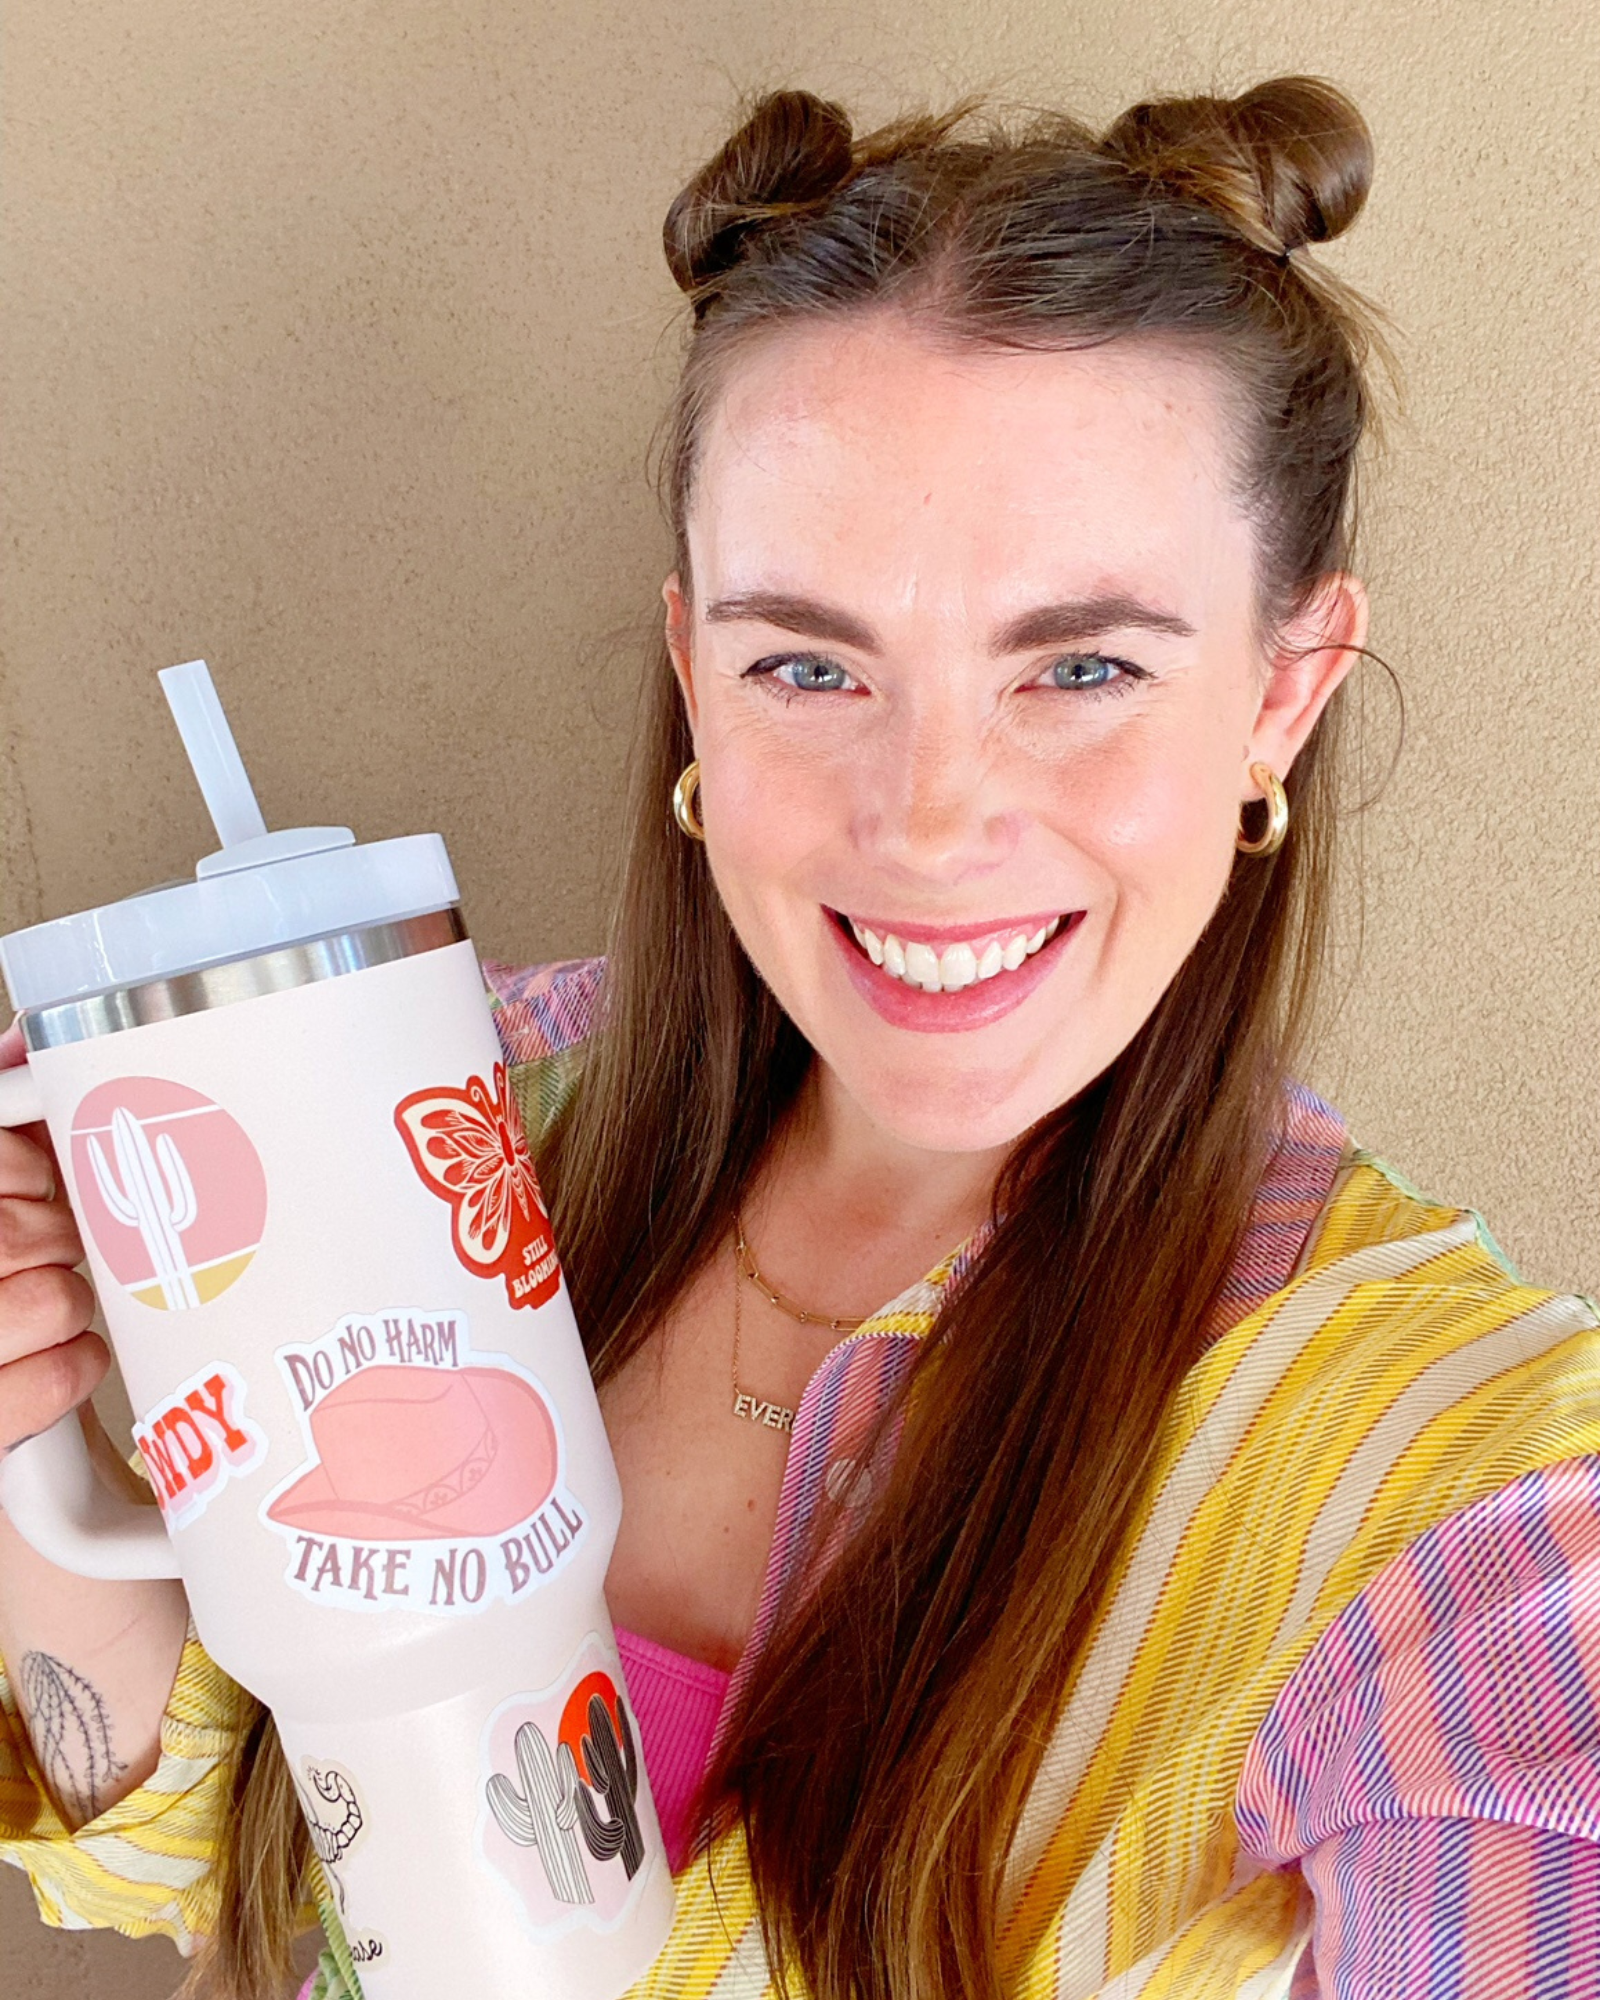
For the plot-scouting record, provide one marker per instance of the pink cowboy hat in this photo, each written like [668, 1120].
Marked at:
[424, 1454]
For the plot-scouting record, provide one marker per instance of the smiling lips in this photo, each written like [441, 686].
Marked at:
[947, 979]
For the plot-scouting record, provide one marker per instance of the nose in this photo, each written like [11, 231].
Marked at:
[931, 809]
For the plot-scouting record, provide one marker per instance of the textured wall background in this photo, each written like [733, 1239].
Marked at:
[333, 338]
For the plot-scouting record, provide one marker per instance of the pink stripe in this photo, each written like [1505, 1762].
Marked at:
[1434, 1764]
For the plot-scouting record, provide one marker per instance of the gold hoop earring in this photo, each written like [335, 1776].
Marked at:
[1277, 804]
[686, 802]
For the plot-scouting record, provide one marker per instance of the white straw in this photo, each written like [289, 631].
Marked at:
[218, 766]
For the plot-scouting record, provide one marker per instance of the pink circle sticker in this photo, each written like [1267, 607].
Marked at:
[169, 1187]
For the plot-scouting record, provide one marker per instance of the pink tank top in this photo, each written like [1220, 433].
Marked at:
[676, 1702]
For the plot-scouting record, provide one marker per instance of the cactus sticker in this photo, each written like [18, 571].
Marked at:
[171, 1189]
[567, 1822]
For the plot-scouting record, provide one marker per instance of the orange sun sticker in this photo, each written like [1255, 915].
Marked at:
[575, 1719]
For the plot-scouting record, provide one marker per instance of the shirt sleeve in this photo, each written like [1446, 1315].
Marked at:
[145, 1867]
[1433, 1766]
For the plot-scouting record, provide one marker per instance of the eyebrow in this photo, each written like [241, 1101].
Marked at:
[807, 616]
[1077, 618]
[1063, 623]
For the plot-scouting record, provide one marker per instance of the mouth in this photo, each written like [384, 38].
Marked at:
[946, 978]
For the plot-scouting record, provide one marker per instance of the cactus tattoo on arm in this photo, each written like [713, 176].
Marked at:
[71, 1732]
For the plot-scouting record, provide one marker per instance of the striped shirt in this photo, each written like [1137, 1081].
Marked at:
[1336, 1730]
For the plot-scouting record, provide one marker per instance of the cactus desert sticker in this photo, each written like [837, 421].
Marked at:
[171, 1189]
[433, 1479]
[565, 1819]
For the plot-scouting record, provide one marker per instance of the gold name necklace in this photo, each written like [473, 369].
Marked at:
[773, 1416]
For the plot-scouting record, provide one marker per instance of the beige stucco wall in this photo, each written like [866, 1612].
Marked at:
[332, 338]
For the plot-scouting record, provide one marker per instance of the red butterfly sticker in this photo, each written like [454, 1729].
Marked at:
[468, 1147]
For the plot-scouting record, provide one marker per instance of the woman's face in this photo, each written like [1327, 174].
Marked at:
[975, 687]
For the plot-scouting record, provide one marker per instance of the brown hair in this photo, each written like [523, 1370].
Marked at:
[881, 1758]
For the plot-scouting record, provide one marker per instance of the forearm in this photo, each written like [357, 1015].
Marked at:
[91, 1665]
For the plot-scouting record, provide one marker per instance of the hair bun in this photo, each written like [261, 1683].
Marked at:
[793, 149]
[1289, 162]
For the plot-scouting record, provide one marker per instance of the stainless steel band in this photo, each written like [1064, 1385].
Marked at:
[240, 979]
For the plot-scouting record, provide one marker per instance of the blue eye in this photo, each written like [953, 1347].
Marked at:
[1088, 670]
[808, 673]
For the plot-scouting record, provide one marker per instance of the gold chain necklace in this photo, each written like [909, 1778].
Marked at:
[747, 1264]
[772, 1416]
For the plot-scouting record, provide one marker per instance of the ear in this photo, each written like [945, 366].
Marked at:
[1308, 659]
[680, 621]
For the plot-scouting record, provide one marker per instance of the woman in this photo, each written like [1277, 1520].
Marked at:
[1180, 1585]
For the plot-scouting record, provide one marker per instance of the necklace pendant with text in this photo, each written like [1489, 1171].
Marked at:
[773, 1416]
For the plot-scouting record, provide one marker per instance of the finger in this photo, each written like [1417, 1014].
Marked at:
[37, 1232]
[40, 1308]
[26, 1169]
[40, 1389]
[13, 1052]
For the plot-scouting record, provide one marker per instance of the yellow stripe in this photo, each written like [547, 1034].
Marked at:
[1373, 1205]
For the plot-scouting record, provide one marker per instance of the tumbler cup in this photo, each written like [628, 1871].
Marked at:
[285, 1127]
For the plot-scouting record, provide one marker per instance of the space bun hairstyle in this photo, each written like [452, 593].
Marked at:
[875, 1766]
[1180, 221]
[1288, 163]
[789, 156]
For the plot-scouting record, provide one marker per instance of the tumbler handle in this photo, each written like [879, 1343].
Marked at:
[20, 1102]
[49, 1488]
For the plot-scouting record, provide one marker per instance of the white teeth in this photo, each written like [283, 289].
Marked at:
[922, 967]
[959, 965]
[869, 941]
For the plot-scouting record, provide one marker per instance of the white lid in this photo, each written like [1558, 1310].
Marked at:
[262, 890]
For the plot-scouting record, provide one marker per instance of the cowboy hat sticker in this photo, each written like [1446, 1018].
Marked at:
[469, 1148]
[433, 1475]
[563, 1818]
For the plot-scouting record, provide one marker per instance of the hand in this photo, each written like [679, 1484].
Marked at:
[49, 1361]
